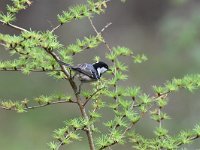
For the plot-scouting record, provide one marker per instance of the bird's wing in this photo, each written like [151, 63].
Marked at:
[86, 69]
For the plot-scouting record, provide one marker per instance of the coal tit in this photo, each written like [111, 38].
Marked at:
[88, 72]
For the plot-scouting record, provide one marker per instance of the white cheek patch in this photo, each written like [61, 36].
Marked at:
[101, 70]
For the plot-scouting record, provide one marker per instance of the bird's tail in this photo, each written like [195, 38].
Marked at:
[63, 63]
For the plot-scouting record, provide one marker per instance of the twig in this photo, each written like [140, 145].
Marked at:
[66, 136]
[99, 33]
[93, 26]
[3, 44]
[115, 142]
[88, 99]
[13, 26]
[39, 106]
[155, 98]
[127, 129]
[55, 28]
[51, 103]
[57, 59]
[160, 120]
[61, 143]
[104, 28]
[189, 138]
[33, 70]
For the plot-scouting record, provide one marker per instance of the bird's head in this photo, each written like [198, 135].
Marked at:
[101, 67]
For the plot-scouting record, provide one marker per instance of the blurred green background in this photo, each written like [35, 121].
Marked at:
[167, 31]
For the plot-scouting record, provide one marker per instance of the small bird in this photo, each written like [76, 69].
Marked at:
[88, 72]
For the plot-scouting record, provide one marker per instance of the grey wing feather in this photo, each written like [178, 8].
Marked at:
[86, 69]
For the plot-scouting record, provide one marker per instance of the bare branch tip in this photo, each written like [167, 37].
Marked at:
[14, 26]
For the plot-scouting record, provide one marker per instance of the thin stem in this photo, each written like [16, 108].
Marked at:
[32, 70]
[115, 142]
[51, 103]
[39, 106]
[189, 138]
[88, 99]
[99, 33]
[13, 26]
[160, 120]
[155, 98]
[57, 58]
[93, 26]
[104, 28]
[66, 136]
[3, 44]
[56, 27]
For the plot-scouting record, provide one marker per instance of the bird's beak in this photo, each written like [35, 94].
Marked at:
[109, 69]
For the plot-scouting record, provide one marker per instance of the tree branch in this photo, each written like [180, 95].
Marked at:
[88, 99]
[13, 26]
[57, 59]
[104, 28]
[189, 138]
[155, 98]
[33, 70]
[39, 106]
[56, 27]
[3, 44]
[66, 136]
[99, 33]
